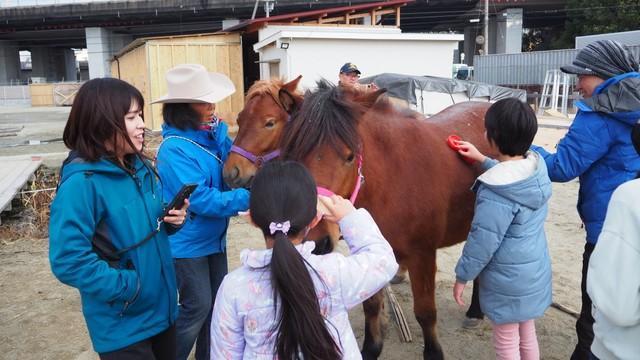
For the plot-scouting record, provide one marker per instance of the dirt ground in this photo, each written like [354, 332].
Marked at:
[41, 319]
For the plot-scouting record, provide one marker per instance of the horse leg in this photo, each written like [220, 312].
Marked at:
[423, 277]
[400, 276]
[374, 326]
[474, 313]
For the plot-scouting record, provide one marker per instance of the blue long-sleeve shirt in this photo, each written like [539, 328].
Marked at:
[199, 160]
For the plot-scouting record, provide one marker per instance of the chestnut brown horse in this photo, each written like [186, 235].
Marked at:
[261, 125]
[416, 188]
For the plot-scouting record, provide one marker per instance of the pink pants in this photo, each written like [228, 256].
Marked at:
[516, 341]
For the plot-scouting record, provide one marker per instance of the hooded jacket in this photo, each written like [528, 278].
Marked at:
[199, 159]
[99, 202]
[598, 149]
[507, 247]
[244, 313]
[613, 282]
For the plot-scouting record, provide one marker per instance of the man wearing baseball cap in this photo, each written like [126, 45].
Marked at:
[349, 75]
[598, 149]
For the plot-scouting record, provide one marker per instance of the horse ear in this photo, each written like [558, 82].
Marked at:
[288, 96]
[289, 101]
[368, 98]
[292, 85]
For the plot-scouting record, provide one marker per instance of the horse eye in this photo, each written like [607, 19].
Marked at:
[350, 158]
[269, 124]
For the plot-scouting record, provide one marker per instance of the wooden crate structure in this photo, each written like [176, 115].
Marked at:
[65, 93]
[41, 94]
[144, 63]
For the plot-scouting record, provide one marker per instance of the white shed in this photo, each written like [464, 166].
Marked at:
[317, 52]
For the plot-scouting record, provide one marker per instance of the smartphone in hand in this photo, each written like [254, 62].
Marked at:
[178, 200]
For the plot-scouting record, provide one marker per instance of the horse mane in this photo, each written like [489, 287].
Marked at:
[325, 117]
[267, 87]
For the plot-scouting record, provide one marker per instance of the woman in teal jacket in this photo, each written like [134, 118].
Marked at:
[194, 148]
[106, 238]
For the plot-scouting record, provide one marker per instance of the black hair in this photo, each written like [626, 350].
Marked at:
[181, 116]
[511, 125]
[281, 192]
[97, 117]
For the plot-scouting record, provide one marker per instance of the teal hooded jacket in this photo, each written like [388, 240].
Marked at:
[101, 203]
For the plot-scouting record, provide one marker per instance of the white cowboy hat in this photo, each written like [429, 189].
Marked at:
[192, 83]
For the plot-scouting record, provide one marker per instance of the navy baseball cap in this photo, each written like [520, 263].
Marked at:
[349, 68]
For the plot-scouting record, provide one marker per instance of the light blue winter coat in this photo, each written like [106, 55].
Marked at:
[507, 247]
[199, 160]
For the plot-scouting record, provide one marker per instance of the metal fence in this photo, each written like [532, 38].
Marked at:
[17, 95]
[524, 68]
[31, 3]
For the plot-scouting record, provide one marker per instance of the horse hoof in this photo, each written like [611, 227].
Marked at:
[399, 278]
[471, 323]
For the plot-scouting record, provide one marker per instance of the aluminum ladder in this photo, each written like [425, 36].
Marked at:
[555, 90]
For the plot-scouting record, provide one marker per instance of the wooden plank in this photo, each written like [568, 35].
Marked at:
[237, 76]
[14, 174]
[41, 94]
[341, 19]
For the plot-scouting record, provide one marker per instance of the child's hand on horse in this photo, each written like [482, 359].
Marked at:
[458, 288]
[177, 216]
[469, 150]
[334, 208]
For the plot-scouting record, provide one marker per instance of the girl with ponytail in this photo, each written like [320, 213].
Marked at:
[284, 302]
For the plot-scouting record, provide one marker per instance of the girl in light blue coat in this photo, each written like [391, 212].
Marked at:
[507, 247]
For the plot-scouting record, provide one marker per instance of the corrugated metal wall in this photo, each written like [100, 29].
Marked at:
[524, 68]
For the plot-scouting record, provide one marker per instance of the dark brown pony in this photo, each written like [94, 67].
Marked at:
[416, 188]
[262, 123]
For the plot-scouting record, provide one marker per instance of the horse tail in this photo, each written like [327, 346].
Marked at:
[300, 326]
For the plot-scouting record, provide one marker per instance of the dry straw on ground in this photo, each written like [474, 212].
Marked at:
[29, 217]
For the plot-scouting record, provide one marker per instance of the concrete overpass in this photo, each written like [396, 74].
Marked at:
[50, 28]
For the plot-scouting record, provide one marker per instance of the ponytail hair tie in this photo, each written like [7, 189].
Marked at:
[283, 226]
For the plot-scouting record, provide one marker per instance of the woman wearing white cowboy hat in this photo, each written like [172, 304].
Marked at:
[194, 148]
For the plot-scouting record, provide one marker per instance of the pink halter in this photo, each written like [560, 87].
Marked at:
[354, 195]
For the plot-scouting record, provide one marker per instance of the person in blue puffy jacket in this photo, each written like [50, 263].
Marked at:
[105, 235]
[507, 247]
[193, 150]
[597, 148]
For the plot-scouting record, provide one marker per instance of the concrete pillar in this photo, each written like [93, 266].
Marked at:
[53, 64]
[9, 62]
[508, 31]
[102, 45]
[70, 67]
[41, 64]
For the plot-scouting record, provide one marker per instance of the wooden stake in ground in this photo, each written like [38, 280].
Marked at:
[398, 315]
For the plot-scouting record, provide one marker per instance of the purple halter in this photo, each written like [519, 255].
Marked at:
[257, 160]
